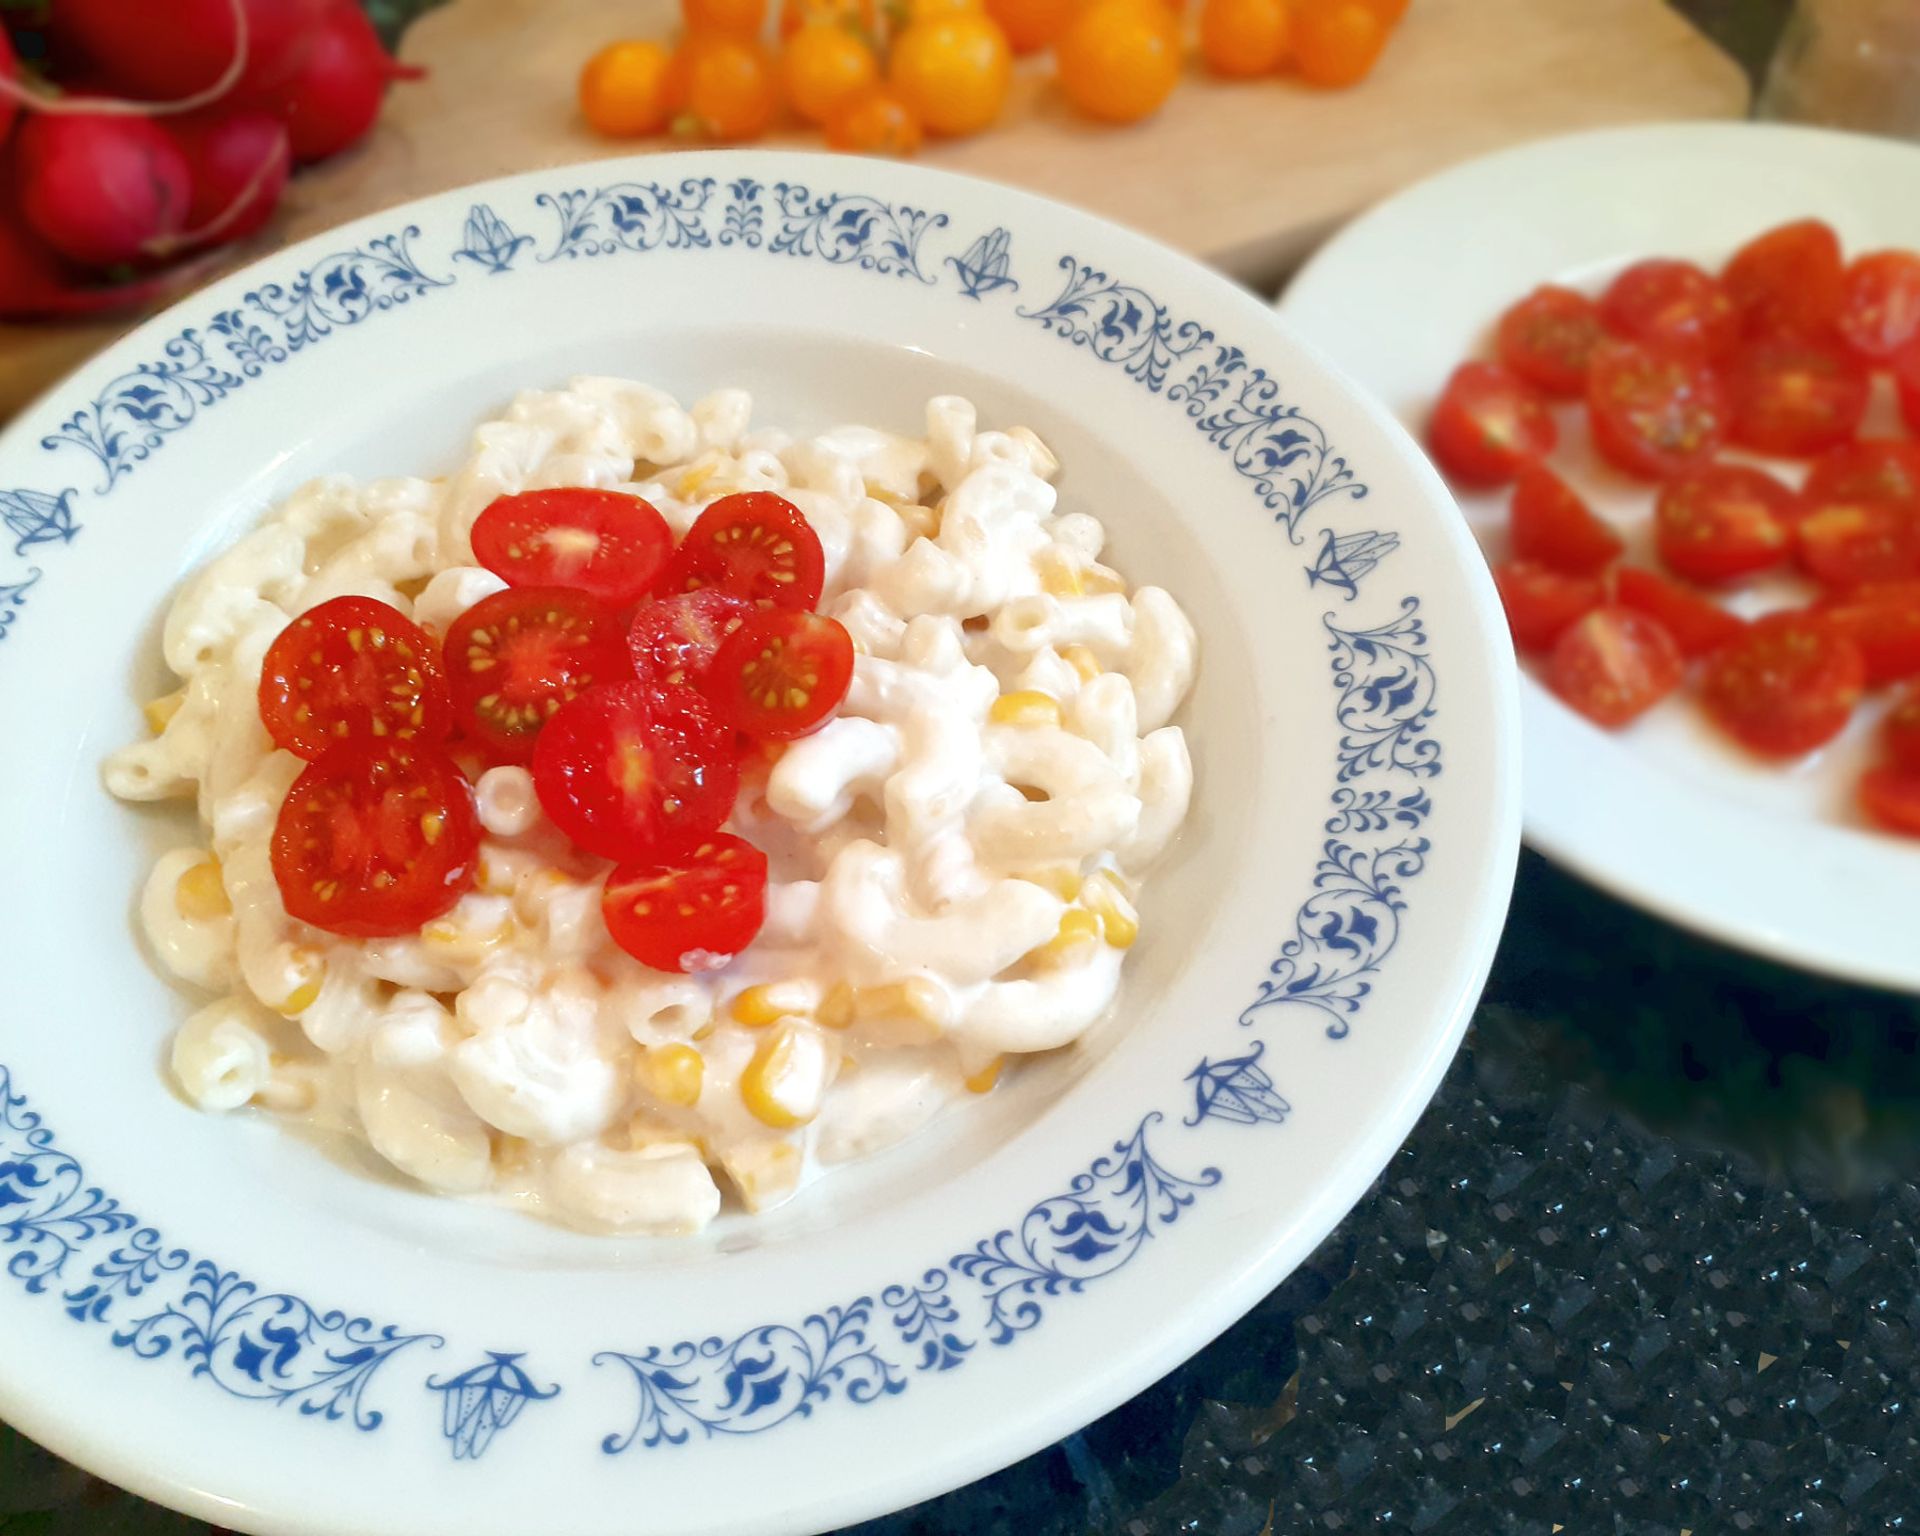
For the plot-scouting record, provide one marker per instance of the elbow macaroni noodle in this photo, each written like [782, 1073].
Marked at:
[953, 856]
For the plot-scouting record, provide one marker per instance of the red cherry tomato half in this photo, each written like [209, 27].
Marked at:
[1890, 795]
[1723, 522]
[756, 545]
[1883, 619]
[1843, 544]
[1542, 603]
[674, 639]
[1487, 423]
[1881, 311]
[1547, 339]
[1906, 380]
[353, 669]
[1614, 665]
[1551, 526]
[1789, 281]
[782, 673]
[607, 543]
[1673, 306]
[1873, 469]
[519, 655]
[1794, 396]
[626, 770]
[1699, 625]
[375, 838]
[1653, 414]
[1900, 729]
[1786, 686]
[692, 909]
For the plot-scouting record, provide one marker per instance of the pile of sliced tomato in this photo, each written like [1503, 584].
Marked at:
[1776, 355]
[629, 674]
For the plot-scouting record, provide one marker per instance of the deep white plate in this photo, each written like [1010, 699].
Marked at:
[273, 1336]
[1664, 814]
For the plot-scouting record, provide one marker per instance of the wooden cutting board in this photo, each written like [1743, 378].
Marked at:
[1249, 176]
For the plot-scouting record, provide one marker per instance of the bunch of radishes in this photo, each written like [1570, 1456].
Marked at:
[168, 127]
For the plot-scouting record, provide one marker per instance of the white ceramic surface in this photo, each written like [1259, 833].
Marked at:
[1665, 813]
[273, 1335]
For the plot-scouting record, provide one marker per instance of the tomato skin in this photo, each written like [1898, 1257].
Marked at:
[1890, 796]
[1846, 544]
[625, 770]
[674, 639]
[722, 878]
[1786, 686]
[353, 669]
[1548, 338]
[1722, 523]
[756, 545]
[1542, 603]
[1614, 665]
[1795, 397]
[1883, 620]
[606, 543]
[1906, 380]
[1699, 625]
[781, 674]
[375, 838]
[1550, 525]
[1789, 281]
[1653, 414]
[1119, 60]
[1673, 306]
[515, 657]
[1881, 312]
[954, 70]
[1900, 729]
[1487, 423]
[1873, 469]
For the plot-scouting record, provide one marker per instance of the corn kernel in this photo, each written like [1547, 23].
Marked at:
[1079, 929]
[1062, 879]
[1119, 920]
[983, 1080]
[921, 521]
[200, 895]
[1082, 660]
[782, 1086]
[671, 1073]
[696, 477]
[836, 1008]
[1059, 577]
[300, 999]
[413, 586]
[160, 711]
[765, 1172]
[1026, 707]
[916, 998]
[757, 1007]
[307, 964]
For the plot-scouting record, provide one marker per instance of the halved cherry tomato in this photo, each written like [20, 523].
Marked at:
[782, 673]
[1653, 414]
[1487, 423]
[674, 639]
[1883, 619]
[626, 770]
[1674, 306]
[375, 838]
[691, 909]
[1786, 686]
[1795, 396]
[1552, 526]
[756, 545]
[1789, 281]
[604, 542]
[1906, 380]
[1873, 469]
[1900, 729]
[353, 669]
[1845, 543]
[1890, 795]
[1548, 339]
[1881, 312]
[1541, 603]
[517, 656]
[1614, 665]
[1699, 625]
[1723, 522]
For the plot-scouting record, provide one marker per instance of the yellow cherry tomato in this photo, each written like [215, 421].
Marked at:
[1031, 25]
[861, 16]
[906, 12]
[743, 18]
[1337, 42]
[1120, 59]
[876, 122]
[823, 67]
[722, 87]
[1243, 38]
[623, 89]
[954, 70]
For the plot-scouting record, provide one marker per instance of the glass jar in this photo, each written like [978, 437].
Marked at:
[1848, 64]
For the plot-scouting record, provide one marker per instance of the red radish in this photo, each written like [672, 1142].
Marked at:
[332, 100]
[101, 190]
[240, 163]
[169, 49]
[36, 285]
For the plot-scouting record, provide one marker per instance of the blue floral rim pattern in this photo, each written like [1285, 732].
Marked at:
[105, 1268]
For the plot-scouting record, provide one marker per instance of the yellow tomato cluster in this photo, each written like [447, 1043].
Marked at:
[878, 77]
